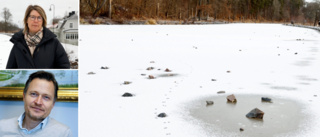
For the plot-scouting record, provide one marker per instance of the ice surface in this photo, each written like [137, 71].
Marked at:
[268, 59]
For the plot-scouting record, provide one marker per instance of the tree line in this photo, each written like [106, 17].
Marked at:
[6, 25]
[231, 10]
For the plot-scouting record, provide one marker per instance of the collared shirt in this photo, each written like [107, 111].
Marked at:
[37, 128]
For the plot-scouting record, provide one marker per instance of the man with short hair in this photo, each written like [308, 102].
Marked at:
[39, 96]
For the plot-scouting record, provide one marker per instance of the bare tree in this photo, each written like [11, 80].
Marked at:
[276, 10]
[258, 10]
[95, 5]
[110, 8]
[7, 18]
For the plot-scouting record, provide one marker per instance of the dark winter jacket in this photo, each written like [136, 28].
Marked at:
[48, 54]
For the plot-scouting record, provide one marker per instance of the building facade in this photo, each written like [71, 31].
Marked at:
[67, 29]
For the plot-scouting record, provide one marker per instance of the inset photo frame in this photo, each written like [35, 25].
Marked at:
[12, 83]
[39, 34]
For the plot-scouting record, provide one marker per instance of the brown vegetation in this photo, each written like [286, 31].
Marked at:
[195, 10]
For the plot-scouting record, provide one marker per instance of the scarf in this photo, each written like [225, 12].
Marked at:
[33, 40]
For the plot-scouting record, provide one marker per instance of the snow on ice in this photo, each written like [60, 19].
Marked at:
[258, 59]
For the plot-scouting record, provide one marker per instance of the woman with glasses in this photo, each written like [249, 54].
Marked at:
[36, 46]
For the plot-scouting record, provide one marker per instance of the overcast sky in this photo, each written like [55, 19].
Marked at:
[18, 8]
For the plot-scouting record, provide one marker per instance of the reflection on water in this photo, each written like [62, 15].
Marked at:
[62, 76]
[282, 116]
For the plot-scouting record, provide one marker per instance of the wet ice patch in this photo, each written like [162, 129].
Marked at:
[283, 117]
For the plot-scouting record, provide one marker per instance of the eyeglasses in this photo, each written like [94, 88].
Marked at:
[33, 18]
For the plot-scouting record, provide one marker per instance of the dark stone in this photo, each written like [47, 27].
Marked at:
[221, 92]
[209, 103]
[231, 98]
[104, 67]
[315, 95]
[213, 80]
[151, 77]
[127, 95]
[91, 73]
[152, 62]
[241, 129]
[150, 68]
[265, 99]
[296, 53]
[167, 70]
[127, 82]
[162, 115]
[143, 74]
[255, 113]
[228, 71]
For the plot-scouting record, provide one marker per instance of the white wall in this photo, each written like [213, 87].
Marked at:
[66, 26]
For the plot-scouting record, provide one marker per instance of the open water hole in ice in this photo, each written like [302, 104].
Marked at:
[283, 117]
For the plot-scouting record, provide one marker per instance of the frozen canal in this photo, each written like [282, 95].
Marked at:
[256, 60]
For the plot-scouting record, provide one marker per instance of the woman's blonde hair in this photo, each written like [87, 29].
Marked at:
[27, 14]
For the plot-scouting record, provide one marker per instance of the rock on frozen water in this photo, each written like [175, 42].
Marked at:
[255, 113]
[231, 98]
[150, 68]
[91, 73]
[151, 77]
[167, 70]
[127, 95]
[104, 67]
[265, 99]
[241, 129]
[162, 115]
[127, 82]
[209, 103]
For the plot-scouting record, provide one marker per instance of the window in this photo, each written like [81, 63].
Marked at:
[71, 25]
[72, 36]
